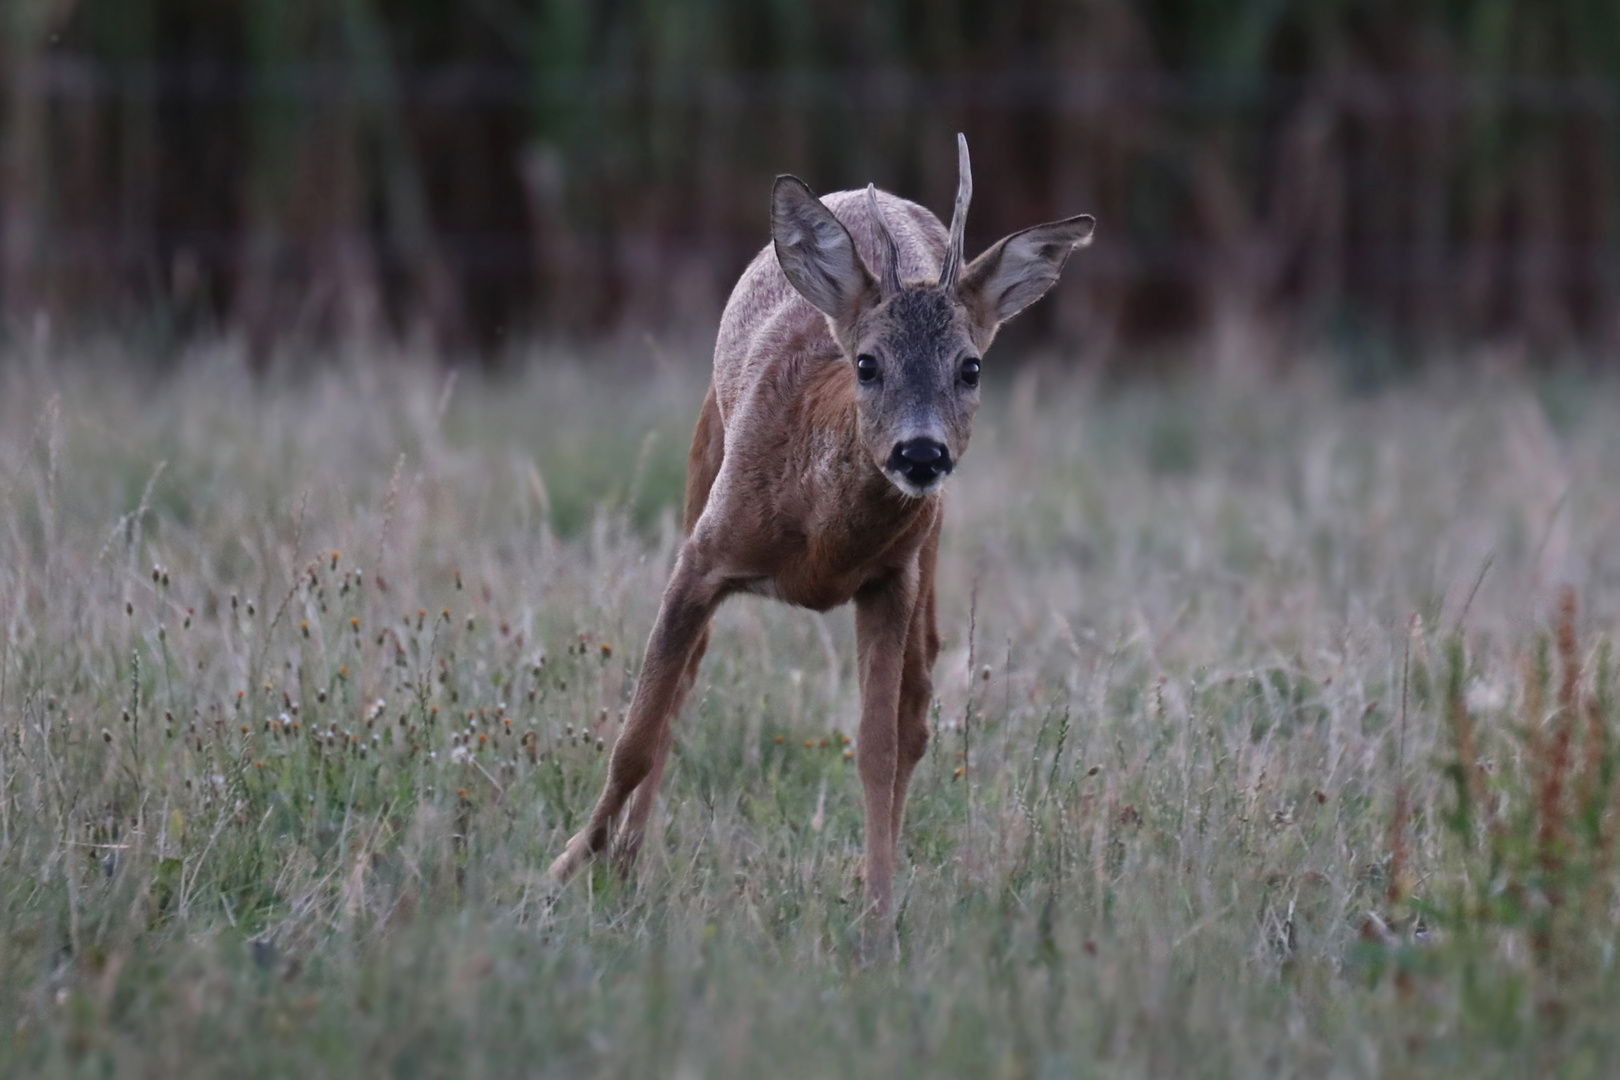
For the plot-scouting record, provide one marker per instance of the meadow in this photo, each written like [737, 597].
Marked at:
[1275, 735]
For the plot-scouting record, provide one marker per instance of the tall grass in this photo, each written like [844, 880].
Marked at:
[302, 682]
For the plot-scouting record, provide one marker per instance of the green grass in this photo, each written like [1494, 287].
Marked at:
[1193, 694]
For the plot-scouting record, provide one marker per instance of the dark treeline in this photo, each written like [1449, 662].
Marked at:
[1439, 171]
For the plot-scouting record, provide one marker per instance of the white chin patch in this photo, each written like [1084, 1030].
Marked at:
[916, 492]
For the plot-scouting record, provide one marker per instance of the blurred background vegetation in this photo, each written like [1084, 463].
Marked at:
[1424, 175]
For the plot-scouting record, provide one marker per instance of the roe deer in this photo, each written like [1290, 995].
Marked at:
[846, 375]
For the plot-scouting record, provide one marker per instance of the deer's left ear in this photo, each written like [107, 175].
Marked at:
[816, 253]
[1018, 269]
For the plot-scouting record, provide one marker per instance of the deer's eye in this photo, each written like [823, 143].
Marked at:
[970, 371]
[866, 368]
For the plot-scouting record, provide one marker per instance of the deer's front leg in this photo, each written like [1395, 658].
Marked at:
[882, 618]
[634, 828]
[689, 601]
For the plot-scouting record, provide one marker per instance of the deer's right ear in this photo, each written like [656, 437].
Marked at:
[817, 254]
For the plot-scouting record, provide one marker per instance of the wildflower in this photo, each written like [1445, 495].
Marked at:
[335, 555]
[106, 736]
[354, 623]
[607, 650]
[377, 708]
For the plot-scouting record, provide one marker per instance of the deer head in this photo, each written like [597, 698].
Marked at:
[915, 348]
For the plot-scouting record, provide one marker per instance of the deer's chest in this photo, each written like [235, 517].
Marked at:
[827, 557]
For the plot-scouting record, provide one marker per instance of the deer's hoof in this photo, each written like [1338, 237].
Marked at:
[571, 861]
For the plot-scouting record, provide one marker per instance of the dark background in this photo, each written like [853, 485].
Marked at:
[1269, 175]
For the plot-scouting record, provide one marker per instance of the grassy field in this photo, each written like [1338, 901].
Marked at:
[1266, 742]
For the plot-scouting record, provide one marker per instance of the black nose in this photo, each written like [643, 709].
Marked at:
[920, 460]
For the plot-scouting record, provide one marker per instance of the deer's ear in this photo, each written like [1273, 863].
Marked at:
[817, 254]
[1018, 269]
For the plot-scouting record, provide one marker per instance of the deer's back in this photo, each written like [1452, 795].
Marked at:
[769, 332]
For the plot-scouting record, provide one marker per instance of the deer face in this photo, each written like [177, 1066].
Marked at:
[916, 369]
[914, 348]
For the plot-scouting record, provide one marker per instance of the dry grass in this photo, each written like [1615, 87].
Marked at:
[302, 682]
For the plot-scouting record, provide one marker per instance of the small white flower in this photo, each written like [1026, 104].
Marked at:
[460, 755]
[1482, 696]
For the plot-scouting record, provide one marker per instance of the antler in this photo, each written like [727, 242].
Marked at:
[890, 274]
[964, 195]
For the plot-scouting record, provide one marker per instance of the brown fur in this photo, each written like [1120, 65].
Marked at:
[787, 494]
